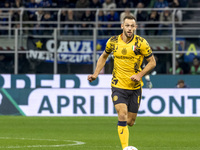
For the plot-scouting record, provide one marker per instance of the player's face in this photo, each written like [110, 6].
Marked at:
[181, 85]
[129, 26]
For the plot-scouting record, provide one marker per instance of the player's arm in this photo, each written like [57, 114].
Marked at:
[150, 65]
[100, 64]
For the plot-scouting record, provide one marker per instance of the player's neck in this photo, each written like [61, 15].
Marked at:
[126, 39]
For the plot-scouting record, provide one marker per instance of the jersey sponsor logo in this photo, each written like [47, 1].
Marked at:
[124, 57]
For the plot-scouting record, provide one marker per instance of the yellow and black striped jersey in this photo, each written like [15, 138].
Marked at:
[128, 58]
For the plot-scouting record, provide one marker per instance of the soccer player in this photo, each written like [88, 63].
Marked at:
[129, 50]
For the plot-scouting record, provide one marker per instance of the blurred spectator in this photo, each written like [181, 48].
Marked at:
[127, 12]
[31, 13]
[63, 17]
[182, 3]
[125, 4]
[141, 16]
[195, 67]
[2, 2]
[165, 17]
[69, 16]
[16, 13]
[146, 3]
[39, 15]
[178, 70]
[108, 4]
[66, 3]
[81, 4]
[4, 17]
[7, 5]
[112, 16]
[47, 17]
[102, 1]
[45, 3]
[178, 13]
[101, 18]
[17, 4]
[181, 84]
[152, 17]
[87, 16]
[183, 64]
[95, 4]
[160, 4]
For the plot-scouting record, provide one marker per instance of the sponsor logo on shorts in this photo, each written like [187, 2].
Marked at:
[115, 98]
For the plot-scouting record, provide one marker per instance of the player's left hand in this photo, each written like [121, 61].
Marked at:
[135, 78]
[91, 78]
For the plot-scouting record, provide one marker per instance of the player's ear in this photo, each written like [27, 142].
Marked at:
[122, 26]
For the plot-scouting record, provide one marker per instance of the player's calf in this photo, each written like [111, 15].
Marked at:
[131, 118]
[131, 122]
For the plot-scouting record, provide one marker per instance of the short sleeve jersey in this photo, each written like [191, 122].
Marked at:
[128, 58]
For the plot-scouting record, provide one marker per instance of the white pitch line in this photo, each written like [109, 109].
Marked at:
[74, 143]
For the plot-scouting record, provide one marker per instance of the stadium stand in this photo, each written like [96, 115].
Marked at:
[37, 19]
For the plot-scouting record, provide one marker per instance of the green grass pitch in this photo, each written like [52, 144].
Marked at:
[97, 133]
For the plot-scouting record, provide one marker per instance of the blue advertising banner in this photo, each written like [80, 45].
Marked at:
[67, 51]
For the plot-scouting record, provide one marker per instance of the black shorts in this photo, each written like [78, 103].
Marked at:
[131, 98]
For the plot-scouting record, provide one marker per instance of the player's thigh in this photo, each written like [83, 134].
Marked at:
[122, 111]
[120, 101]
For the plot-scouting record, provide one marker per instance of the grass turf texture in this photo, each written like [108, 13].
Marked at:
[98, 133]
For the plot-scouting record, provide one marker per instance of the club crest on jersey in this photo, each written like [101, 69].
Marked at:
[133, 47]
[124, 51]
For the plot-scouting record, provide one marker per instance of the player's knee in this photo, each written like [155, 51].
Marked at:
[122, 116]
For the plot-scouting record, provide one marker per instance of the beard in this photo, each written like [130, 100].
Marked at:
[127, 35]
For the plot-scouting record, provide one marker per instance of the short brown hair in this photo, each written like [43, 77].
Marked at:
[181, 81]
[129, 17]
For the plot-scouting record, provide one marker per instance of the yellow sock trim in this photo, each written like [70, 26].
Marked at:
[123, 133]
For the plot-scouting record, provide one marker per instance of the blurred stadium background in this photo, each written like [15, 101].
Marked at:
[33, 82]
[171, 27]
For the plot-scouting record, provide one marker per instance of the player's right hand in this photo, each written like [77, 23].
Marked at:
[92, 78]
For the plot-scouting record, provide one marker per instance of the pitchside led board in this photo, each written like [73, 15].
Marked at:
[73, 95]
